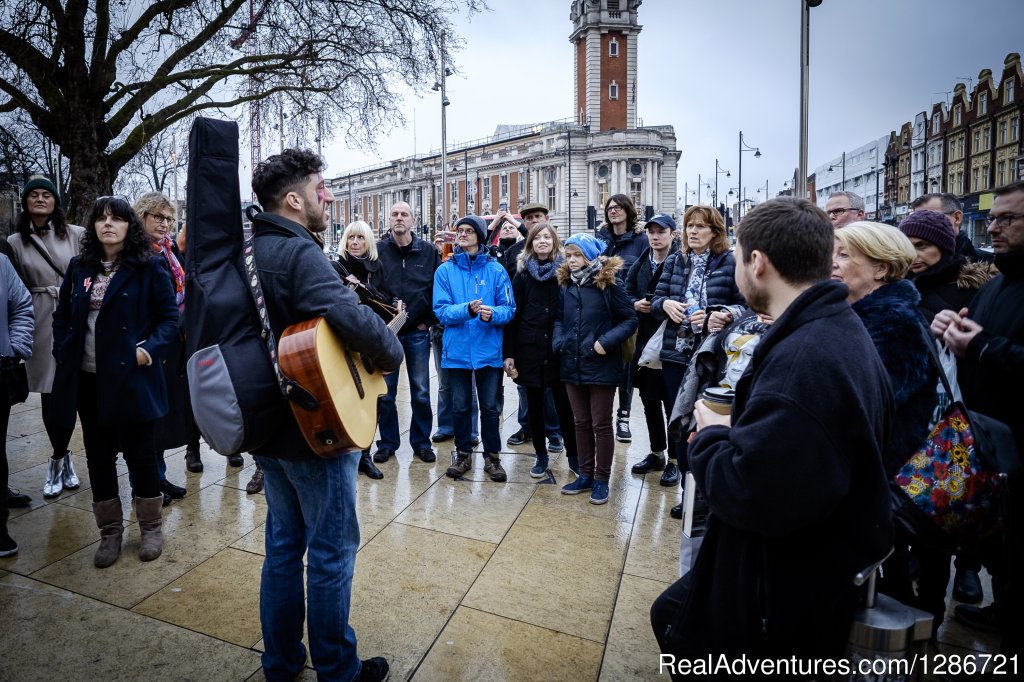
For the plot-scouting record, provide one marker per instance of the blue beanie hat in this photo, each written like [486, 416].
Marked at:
[478, 225]
[591, 246]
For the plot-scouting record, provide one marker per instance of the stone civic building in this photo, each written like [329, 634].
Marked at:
[571, 165]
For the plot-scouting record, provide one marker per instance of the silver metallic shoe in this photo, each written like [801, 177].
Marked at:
[68, 476]
[54, 486]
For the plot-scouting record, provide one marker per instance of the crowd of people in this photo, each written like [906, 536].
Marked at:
[827, 332]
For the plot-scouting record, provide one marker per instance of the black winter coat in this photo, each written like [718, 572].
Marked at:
[798, 497]
[900, 335]
[966, 248]
[410, 278]
[138, 310]
[599, 311]
[299, 284]
[991, 372]
[720, 286]
[628, 247]
[950, 284]
[642, 281]
[507, 253]
[528, 337]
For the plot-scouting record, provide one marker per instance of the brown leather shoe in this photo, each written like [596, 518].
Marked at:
[492, 466]
[463, 463]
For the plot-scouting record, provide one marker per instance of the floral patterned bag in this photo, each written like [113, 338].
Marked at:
[945, 495]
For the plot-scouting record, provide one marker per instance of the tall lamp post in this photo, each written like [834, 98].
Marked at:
[844, 171]
[743, 147]
[444, 72]
[805, 58]
[718, 171]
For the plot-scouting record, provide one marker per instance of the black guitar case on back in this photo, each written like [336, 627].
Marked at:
[236, 397]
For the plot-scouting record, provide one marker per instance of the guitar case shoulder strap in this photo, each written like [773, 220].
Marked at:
[290, 388]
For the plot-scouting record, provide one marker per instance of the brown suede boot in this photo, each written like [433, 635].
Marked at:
[110, 521]
[148, 512]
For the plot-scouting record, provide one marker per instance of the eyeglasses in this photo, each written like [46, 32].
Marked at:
[1003, 220]
[463, 231]
[836, 212]
[162, 219]
[615, 207]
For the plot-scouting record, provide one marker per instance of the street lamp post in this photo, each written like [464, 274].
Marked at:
[805, 57]
[440, 85]
[844, 171]
[743, 147]
[718, 171]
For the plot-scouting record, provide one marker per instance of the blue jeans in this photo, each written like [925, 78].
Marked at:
[552, 427]
[487, 380]
[417, 364]
[444, 392]
[311, 505]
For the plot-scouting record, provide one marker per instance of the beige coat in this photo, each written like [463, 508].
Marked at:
[44, 285]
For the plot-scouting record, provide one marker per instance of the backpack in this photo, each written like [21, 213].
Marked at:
[234, 388]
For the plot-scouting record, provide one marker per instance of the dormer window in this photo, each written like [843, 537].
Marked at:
[1008, 90]
[983, 103]
[958, 114]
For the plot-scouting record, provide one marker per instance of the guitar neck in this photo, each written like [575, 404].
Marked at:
[397, 322]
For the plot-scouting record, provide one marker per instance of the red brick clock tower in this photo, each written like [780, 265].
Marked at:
[605, 35]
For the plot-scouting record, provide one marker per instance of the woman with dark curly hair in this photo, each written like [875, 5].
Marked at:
[42, 246]
[115, 316]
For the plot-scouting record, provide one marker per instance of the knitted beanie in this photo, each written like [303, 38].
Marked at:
[591, 246]
[38, 182]
[931, 226]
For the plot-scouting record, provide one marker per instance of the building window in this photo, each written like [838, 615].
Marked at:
[1008, 91]
[988, 137]
[952, 150]
[455, 195]
[1002, 133]
[504, 185]
[487, 188]
[1014, 128]
[551, 198]
[977, 141]
[636, 194]
[522, 185]
[613, 48]
[958, 115]
[984, 176]
[951, 180]
[1001, 166]
[613, 90]
[983, 103]
[936, 121]
[974, 180]
[960, 149]
[604, 194]
[552, 176]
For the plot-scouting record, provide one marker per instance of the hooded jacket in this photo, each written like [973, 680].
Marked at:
[599, 310]
[469, 342]
[900, 335]
[950, 284]
[628, 247]
[799, 502]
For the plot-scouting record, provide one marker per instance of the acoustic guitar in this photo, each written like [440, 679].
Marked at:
[344, 383]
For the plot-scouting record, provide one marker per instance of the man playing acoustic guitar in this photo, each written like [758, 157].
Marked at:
[311, 500]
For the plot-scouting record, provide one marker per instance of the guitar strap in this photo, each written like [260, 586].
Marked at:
[289, 388]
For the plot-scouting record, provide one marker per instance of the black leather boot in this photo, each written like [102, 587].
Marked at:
[366, 466]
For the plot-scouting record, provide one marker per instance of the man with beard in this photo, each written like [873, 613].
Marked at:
[311, 500]
[408, 264]
[798, 498]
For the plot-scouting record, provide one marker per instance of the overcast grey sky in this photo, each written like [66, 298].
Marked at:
[714, 67]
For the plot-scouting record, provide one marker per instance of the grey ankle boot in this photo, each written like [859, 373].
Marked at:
[148, 512]
[110, 521]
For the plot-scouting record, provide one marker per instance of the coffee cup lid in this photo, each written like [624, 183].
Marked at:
[718, 394]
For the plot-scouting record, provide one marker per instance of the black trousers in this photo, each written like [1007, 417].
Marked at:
[103, 442]
[535, 416]
[5, 418]
[657, 409]
[59, 436]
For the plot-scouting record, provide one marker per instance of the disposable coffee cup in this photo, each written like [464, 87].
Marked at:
[718, 399]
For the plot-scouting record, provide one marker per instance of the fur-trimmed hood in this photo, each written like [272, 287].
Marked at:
[604, 278]
[974, 274]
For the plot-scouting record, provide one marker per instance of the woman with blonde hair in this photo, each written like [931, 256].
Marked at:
[530, 360]
[359, 267]
[43, 245]
[873, 261]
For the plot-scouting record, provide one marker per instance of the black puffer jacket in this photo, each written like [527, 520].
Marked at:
[950, 284]
[528, 337]
[628, 247]
[900, 337]
[720, 285]
[599, 311]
